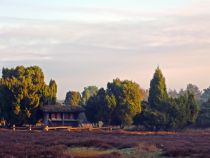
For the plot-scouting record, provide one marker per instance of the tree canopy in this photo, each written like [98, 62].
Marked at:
[118, 104]
[87, 93]
[163, 112]
[206, 95]
[23, 92]
[158, 90]
[204, 115]
[73, 98]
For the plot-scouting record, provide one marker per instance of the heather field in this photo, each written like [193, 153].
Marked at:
[95, 144]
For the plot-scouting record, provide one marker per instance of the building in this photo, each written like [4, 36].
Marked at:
[57, 115]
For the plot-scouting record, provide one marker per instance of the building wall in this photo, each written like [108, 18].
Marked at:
[58, 119]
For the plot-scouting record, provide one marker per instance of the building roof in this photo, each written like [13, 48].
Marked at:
[63, 108]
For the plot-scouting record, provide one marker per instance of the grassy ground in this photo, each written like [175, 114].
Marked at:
[135, 152]
[118, 144]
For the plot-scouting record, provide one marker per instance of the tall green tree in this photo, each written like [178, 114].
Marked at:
[53, 91]
[128, 96]
[49, 93]
[158, 90]
[87, 93]
[21, 92]
[99, 108]
[165, 113]
[73, 98]
[193, 108]
[118, 104]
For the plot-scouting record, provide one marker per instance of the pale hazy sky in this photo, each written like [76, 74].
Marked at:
[90, 42]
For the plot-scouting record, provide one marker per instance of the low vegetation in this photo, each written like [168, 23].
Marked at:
[64, 144]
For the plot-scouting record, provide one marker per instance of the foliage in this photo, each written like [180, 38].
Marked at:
[157, 91]
[206, 95]
[165, 113]
[185, 111]
[195, 91]
[73, 98]
[173, 93]
[199, 97]
[49, 93]
[95, 108]
[87, 93]
[204, 115]
[116, 105]
[22, 94]
[128, 97]
[53, 91]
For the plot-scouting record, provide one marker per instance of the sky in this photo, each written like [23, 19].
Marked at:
[91, 42]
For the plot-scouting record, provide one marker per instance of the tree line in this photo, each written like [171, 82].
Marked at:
[125, 103]
[23, 93]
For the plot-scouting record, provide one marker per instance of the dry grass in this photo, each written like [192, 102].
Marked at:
[143, 132]
[84, 152]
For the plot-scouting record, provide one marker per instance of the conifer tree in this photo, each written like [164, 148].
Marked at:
[53, 91]
[158, 91]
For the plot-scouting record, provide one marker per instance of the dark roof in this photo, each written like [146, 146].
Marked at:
[62, 108]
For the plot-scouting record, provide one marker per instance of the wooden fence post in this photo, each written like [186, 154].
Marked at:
[13, 127]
